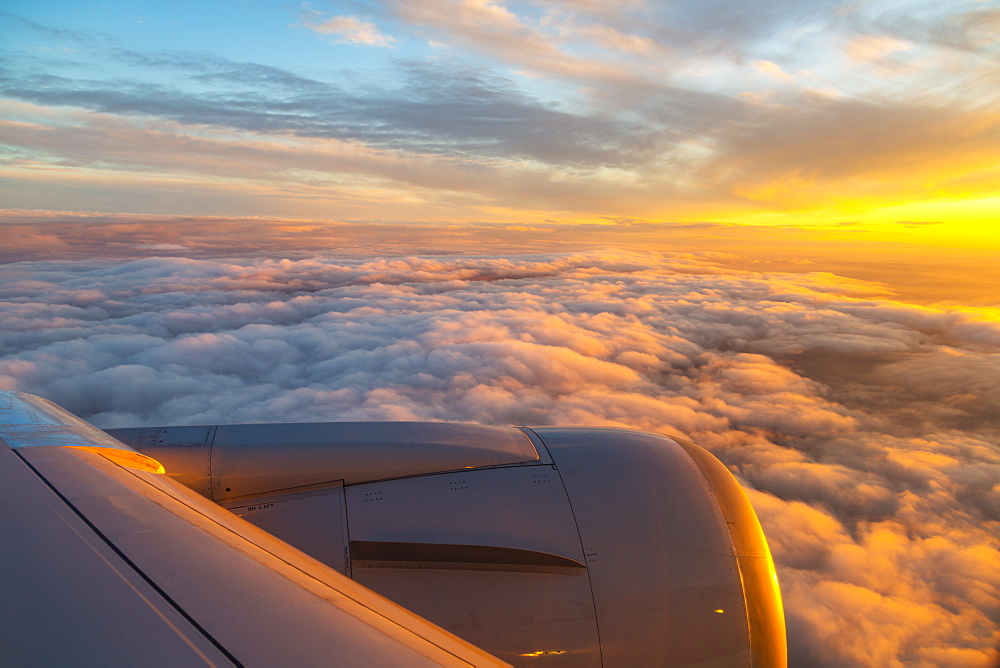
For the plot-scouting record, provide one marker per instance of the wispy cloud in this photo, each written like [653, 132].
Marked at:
[489, 27]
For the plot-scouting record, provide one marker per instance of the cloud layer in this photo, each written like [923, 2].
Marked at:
[866, 428]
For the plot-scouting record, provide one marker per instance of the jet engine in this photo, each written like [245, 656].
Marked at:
[544, 546]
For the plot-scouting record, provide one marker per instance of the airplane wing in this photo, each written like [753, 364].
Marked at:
[106, 561]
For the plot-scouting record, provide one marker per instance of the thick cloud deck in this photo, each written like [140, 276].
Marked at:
[866, 427]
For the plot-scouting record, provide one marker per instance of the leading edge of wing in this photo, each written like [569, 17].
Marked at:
[107, 564]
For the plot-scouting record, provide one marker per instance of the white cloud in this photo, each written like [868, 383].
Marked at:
[350, 29]
[870, 48]
[773, 70]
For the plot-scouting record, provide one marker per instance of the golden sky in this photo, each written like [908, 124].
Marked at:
[920, 263]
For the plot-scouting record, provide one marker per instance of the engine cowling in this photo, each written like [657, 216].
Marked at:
[546, 546]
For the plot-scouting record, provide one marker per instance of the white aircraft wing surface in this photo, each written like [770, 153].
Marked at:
[105, 561]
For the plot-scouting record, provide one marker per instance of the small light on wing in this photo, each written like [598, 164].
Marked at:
[545, 652]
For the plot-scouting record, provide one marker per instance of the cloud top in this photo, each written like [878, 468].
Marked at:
[864, 428]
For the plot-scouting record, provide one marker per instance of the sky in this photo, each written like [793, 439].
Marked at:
[869, 113]
[769, 227]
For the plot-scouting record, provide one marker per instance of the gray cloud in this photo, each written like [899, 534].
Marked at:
[447, 109]
[864, 428]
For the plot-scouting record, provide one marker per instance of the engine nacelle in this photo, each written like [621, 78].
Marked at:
[545, 546]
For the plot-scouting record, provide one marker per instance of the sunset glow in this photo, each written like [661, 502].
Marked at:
[771, 228]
